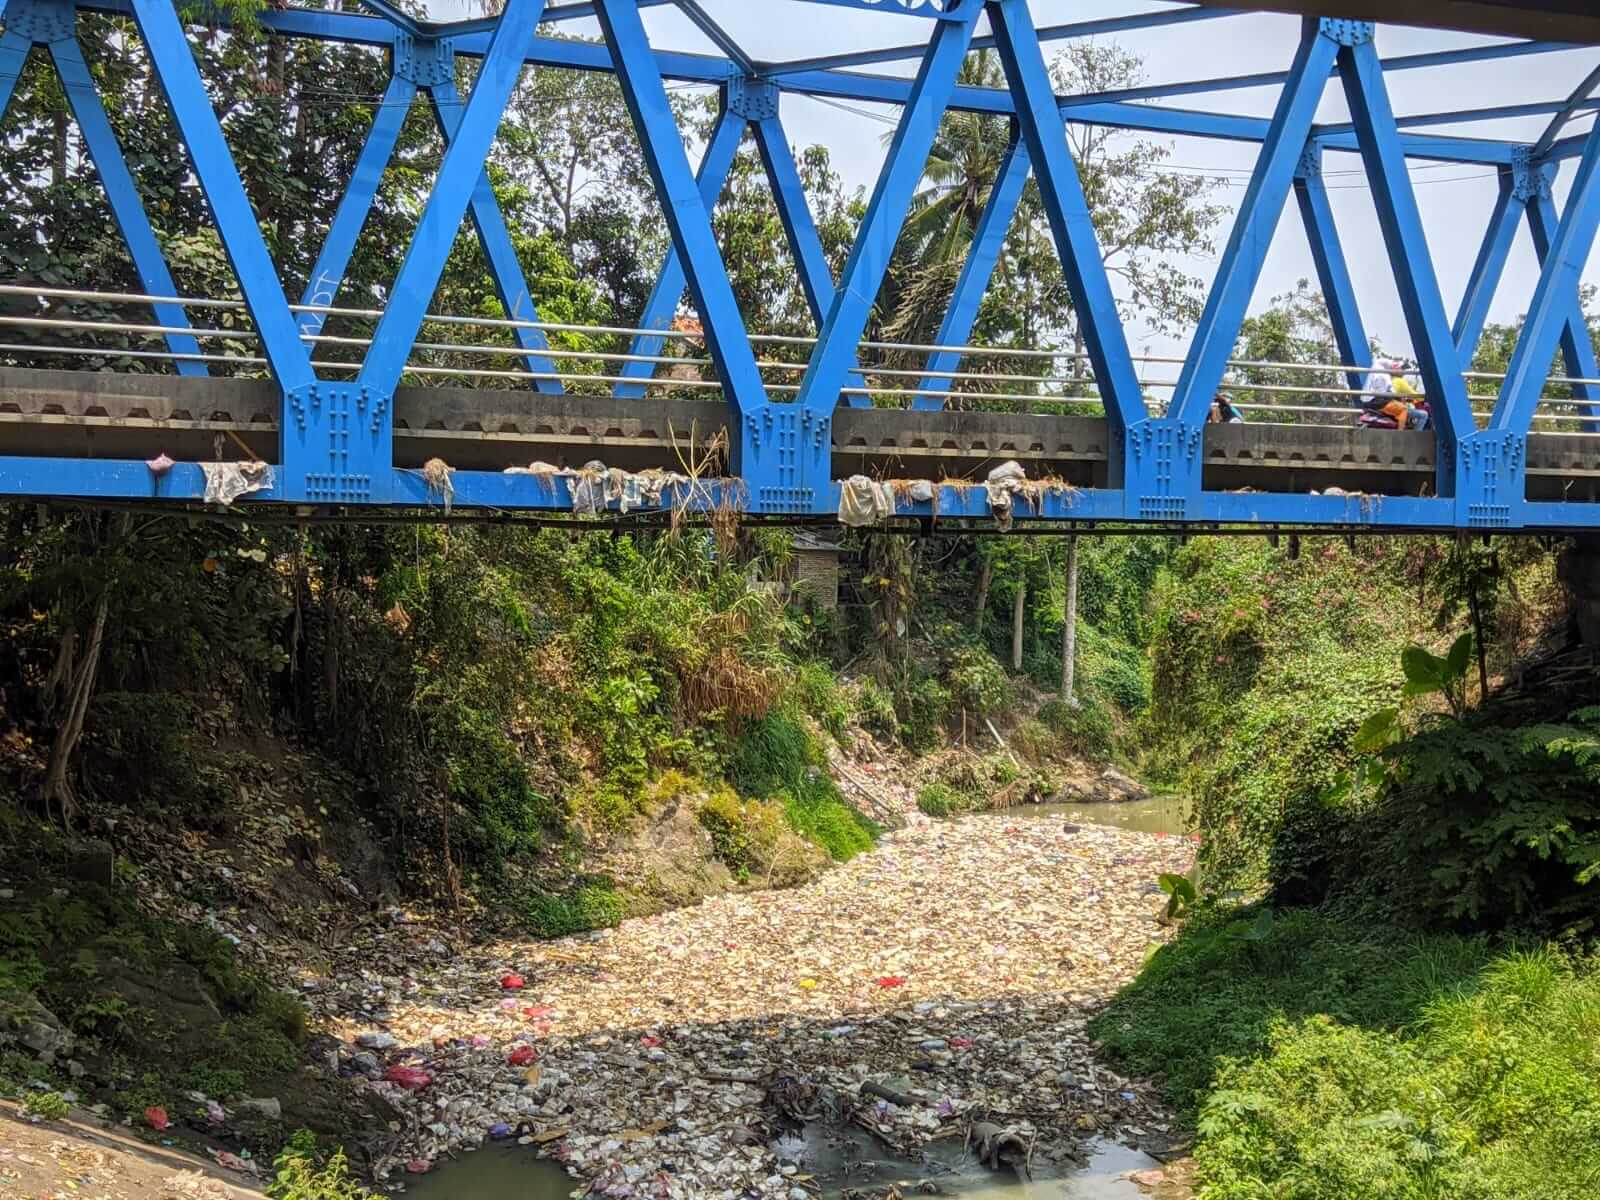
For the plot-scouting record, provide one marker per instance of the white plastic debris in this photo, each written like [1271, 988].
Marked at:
[227, 481]
[863, 501]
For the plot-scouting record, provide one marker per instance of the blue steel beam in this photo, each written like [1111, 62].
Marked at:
[1575, 101]
[1567, 147]
[1420, 298]
[1333, 270]
[874, 89]
[327, 276]
[687, 216]
[123, 196]
[662, 305]
[213, 164]
[498, 250]
[1406, 62]
[879, 231]
[988, 240]
[718, 36]
[1489, 267]
[459, 175]
[799, 227]
[14, 49]
[1039, 120]
[395, 16]
[1259, 213]
[1465, 116]
[1577, 350]
[1052, 33]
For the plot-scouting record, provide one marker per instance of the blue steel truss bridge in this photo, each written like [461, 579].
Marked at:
[771, 425]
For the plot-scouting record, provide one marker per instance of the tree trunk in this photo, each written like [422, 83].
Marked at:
[1016, 624]
[1069, 625]
[57, 780]
[1477, 640]
[983, 596]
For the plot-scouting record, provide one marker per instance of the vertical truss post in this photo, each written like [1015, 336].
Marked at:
[760, 100]
[776, 479]
[1577, 350]
[841, 332]
[1258, 217]
[123, 196]
[1379, 139]
[370, 398]
[1045, 135]
[499, 251]
[327, 276]
[235, 219]
[14, 49]
[1550, 317]
[1333, 270]
[1165, 460]
[988, 240]
[662, 304]
[1490, 264]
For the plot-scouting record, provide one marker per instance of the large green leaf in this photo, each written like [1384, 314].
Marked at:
[1459, 658]
[1424, 672]
[1377, 731]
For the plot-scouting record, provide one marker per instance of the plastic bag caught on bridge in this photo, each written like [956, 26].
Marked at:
[864, 502]
[1005, 482]
[227, 481]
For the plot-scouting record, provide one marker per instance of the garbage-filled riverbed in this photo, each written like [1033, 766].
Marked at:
[920, 1009]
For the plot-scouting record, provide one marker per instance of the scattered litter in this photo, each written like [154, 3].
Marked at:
[156, 1117]
[160, 464]
[436, 474]
[227, 481]
[512, 982]
[864, 501]
[412, 1079]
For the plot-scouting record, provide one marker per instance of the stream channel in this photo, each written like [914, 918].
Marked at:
[841, 1158]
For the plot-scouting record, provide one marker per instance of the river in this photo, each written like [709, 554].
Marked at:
[841, 1158]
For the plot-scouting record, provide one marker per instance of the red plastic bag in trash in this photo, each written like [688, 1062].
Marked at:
[156, 1117]
[534, 1011]
[649, 1042]
[419, 1166]
[960, 1043]
[511, 982]
[413, 1079]
[522, 1056]
[889, 981]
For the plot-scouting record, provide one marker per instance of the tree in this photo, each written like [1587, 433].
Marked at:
[1069, 625]
[1294, 328]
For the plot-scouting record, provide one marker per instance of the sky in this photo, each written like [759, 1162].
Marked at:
[1455, 199]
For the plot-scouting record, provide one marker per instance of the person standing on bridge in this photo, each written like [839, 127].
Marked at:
[1223, 411]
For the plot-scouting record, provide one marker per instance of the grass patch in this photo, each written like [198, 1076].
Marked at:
[1322, 1061]
[776, 759]
[592, 903]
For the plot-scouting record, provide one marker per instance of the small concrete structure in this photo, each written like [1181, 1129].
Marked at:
[815, 570]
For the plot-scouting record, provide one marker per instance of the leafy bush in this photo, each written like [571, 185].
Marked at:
[46, 1106]
[817, 692]
[977, 682]
[1213, 995]
[775, 759]
[938, 800]
[299, 1175]
[876, 707]
[1504, 819]
[1492, 1093]
[1083, 729]
[924, 706]
[590, 904]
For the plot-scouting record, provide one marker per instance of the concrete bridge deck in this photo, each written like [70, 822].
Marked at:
[80, 414]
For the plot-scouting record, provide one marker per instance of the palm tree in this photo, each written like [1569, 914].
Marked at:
[962, 168]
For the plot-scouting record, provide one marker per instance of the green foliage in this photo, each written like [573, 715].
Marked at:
[1428, 674]
[776, 759]
[1214, 994]
[299, 1175]
[1084, 729]
[976, 681]
[1490, 824]
[1264, 670]
[592, 903]
[1490, 1092]
[46, 1106]
[817, 692]
[924, 706]
[1181, 894]
[938, 799]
